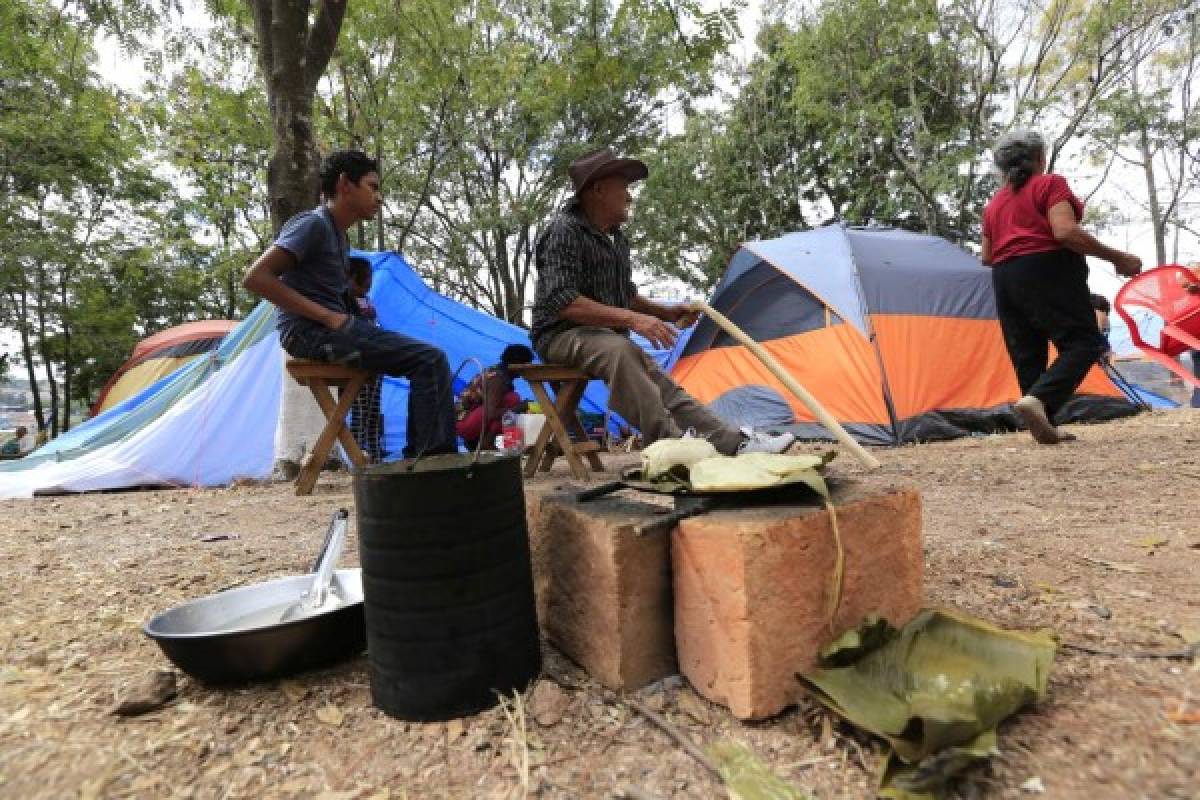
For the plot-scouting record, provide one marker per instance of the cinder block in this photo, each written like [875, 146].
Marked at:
[603, 593]
[752, 590]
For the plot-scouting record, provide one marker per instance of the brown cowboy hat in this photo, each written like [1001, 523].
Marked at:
[593, 166]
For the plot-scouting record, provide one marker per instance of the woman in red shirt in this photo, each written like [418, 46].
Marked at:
[1033, 242]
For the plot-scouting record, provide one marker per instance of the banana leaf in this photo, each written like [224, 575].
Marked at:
[747, 778]
[935, 690]
[789, 469]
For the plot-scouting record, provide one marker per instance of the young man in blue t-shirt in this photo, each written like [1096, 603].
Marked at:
[304, 275]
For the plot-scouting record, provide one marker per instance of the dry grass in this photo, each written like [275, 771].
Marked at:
[517, 741]
[1097, 540]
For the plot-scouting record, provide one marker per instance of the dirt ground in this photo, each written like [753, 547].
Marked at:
[1097, 540]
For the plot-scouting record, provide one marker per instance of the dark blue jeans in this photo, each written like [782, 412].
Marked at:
[366, 346]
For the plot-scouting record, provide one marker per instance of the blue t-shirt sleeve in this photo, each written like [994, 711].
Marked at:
[301, 235]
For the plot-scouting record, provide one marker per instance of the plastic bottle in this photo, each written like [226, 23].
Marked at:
[510, 433]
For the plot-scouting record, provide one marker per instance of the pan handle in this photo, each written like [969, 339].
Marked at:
[599, 491]
[339, 519]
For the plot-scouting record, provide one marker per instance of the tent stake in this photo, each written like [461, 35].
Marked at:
[823, 416]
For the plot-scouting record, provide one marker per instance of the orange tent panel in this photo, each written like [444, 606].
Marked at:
[947, 363]
[836, 364]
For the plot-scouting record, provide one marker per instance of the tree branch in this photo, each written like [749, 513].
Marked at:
[322, 40]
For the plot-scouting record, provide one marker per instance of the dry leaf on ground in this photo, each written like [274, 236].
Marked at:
[1182, 715]
[1150, 542]
[331, 715]
[1033, 786]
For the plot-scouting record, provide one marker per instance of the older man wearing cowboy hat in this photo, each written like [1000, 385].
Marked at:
[586, 304]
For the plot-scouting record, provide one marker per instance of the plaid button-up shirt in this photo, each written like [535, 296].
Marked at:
[573, 259]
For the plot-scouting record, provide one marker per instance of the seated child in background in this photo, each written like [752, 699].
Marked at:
[1103, 308]
[13, 447]
[475, 421]
[366, 417]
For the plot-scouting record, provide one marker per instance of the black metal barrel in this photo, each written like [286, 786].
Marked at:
[447, 584]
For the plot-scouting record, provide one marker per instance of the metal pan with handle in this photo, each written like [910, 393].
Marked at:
[269, 629]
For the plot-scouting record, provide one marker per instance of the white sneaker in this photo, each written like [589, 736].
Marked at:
[1033, 413]
[764, 442]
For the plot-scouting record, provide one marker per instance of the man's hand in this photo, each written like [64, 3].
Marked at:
[334, 320]
[1128, 265]
[660, 334]
[686, 314]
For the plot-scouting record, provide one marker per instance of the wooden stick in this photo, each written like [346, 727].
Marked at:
[681, 738]
[823, 416]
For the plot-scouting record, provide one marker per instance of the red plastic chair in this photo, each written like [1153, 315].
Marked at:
[1160, 291]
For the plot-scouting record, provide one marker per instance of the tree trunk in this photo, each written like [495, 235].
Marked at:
[1156, 214]
[68, 363]
[39, 413]
[292, 178]
[379, 238]
[43, 349]
[292, 56]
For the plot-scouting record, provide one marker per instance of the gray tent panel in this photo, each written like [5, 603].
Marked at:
[755, 406]
[908, 273]
[765, 303]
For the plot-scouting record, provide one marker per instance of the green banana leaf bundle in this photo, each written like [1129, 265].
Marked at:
[935, 690]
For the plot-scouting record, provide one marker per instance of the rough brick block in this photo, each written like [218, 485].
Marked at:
[604, 593]
[752, 590]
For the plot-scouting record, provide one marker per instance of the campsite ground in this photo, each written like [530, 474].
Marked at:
[1097, 540]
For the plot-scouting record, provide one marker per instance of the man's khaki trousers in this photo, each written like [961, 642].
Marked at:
[638, 388]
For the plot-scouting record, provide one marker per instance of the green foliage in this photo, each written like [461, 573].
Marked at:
[476, 109]
[214, 127]
[864, 111]
[1148, 120]
[879, 86]
[74, 183]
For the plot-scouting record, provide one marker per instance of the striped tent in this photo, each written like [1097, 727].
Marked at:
[159, 355]
[894, 332]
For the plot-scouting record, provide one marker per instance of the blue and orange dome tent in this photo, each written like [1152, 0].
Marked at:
[894, 332]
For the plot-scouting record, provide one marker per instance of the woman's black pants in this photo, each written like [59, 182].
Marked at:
[1043, 298]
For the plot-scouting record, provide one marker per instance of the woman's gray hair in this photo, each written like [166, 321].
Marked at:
[1017, 154]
